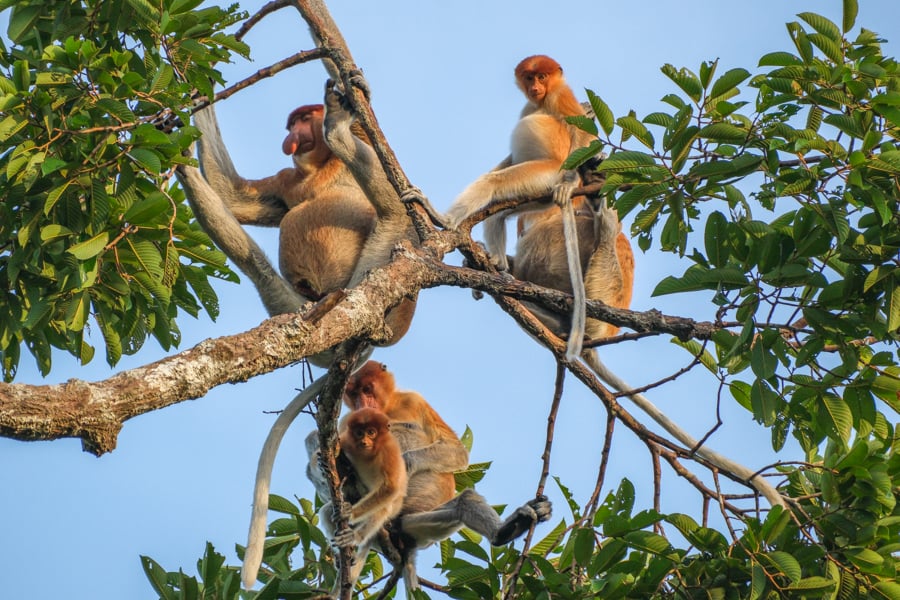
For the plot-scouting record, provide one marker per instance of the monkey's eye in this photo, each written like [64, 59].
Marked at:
[370, 432]
[542, 77]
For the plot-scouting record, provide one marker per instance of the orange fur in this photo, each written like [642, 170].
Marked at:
[432, 449]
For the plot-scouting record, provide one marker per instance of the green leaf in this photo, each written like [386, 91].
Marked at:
[697, 350]
[822, 25]
[724, 132]
[601, 111]
[684, 79]
[779, 59]
[627, 159]
[157, 576]
[22, 21]
[143, 212]
[283, 505]
[147, 159]
[649, 542]
[866, 560]
[851, 8]
[888, 589]
[728, 81]
[637, 129]
[762, 361]
[785, 563]
[90, 248]
[838, 417]
[716, 239]
[812, 584]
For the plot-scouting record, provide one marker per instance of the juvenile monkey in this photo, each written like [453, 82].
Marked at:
[431, 510]
[541, 142]
[367, 443]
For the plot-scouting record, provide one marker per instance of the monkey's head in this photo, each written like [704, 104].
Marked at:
[535, 75]
[370, 386]
[364, 426]
[304, 140]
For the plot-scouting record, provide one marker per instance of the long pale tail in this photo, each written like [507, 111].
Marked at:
[723, 462]
[570, 232]
[256, 538]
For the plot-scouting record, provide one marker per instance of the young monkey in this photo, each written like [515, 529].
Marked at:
[370, 447]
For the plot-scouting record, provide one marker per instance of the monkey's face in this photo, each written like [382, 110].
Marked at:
[535, 86]
[364, 438]
[304, 133]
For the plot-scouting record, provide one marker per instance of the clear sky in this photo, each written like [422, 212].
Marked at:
[73, 526]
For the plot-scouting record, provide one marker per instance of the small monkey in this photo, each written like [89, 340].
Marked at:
[541, 142]
[375, 456]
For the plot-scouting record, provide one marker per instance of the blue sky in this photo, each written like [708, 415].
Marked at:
[74, 526]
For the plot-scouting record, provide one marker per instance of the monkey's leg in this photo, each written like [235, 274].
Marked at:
[471, 510]
[603, 278]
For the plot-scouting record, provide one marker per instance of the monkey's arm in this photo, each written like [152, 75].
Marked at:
[277, 296]
[359, 157]
[253, 202]
[531, 178]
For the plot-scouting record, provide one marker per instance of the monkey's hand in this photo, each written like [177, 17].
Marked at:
[534, 511]
[562, 191]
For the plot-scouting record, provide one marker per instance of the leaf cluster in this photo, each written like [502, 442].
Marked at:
[92, 227]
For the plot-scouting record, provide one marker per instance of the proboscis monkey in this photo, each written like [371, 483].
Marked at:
[431, 510]
[375, 456]
[326, 219]
[541, 142]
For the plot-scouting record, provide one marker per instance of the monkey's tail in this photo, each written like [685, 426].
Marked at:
[257, 535]
[723, 462]
[570, 234]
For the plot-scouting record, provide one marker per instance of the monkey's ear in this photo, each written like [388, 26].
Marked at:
[383, 366]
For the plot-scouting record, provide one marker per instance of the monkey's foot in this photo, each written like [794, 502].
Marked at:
[344, 538]
[606, 223]
[534, 511]
[415, 195]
